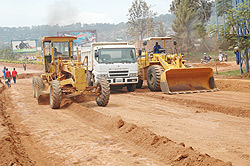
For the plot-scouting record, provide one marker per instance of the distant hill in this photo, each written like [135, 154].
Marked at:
[105, 31]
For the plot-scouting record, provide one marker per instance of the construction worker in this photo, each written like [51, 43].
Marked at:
[14, 75]
[156, 48]
[8, 78]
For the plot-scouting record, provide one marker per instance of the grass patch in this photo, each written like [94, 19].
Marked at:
[230, 73]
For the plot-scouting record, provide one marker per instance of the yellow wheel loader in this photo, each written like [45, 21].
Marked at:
[167, 72]
[65, 75]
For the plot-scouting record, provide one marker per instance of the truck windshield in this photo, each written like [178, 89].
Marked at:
[117, 55]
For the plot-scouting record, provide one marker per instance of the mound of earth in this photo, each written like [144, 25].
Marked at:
[11, 150]
[236, 85]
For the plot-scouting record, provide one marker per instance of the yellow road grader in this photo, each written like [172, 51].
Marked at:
[64, 75]
[167, 72]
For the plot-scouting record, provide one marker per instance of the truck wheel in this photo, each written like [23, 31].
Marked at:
[139, 84]
[154, 77]
[131, 87]
[55, 94]
[103, 91]
[34, 86]
[39, 86]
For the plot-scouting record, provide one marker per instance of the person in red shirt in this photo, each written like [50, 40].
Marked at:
[8, 77]
[14, 74]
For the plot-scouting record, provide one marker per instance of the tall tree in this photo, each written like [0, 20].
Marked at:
[221, 7]
[238, 28]
[184, 22]
[200, 12]
[140, 20]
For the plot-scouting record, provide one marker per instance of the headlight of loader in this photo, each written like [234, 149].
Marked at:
[133, 75]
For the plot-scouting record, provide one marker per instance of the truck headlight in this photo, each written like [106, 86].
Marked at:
[103, 75]
[133, 74]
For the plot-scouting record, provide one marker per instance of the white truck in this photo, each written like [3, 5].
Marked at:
[116, 61]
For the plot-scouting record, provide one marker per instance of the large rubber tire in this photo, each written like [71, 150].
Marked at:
[154, 77]
[55, 94]
[34, 86]
[211, 83]
[131, 87]
[103, 89]
[39, 86]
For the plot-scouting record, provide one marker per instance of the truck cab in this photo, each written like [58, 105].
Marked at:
[114, 61]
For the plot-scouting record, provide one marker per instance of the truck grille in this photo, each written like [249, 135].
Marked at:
[120, 73]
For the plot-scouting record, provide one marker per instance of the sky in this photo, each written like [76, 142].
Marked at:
[17, 13]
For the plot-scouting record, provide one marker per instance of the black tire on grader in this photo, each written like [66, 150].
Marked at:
[103, 89]
[38, 86]
[55, 94]
[154, 77]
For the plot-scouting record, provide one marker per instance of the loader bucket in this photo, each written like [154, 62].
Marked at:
[187, 80]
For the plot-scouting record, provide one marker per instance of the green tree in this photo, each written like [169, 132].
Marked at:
[222, 7]
[190, 15]
[140, 20]
[237, 29]
[183, 25]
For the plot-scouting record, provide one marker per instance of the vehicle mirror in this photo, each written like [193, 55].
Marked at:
[144, 43]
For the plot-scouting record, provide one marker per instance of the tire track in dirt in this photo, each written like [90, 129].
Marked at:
[159, 147]
[206, 102]
[139, 139]
[12, 151]
[221, 136]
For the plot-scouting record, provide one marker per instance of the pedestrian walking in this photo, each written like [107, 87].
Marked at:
[7, 78]
[24, 66]
[14, 75]
[4, 70]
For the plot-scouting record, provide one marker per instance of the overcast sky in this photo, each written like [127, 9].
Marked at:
[14, 13]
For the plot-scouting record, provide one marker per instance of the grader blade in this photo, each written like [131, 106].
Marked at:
[187, 80]
[44, 98]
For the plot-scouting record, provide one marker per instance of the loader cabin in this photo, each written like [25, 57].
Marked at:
[55, 47]
[150, 43]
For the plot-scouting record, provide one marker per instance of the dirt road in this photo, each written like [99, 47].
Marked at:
[139, 128]
[187, 118]
[76, 135]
